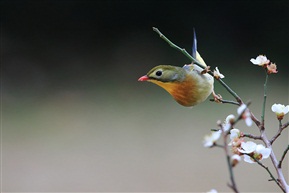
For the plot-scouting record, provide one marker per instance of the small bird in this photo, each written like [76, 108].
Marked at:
[188, 85]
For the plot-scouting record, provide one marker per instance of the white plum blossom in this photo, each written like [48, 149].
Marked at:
[210, 139]
[241, 109]
[235, 136]
[230, 118]
[245, 114]
[262, 150]
[236, 157]
[228, 121]
[226, 127]
[217, 74]
[247, 147]
[248, 159]
[260, 60]
[260, 153]
[235, 133]
[280, 110]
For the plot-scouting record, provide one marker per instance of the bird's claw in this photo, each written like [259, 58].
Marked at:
[217, 97]
[206, 70]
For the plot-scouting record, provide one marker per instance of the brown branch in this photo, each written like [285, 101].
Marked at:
[226, 101]
[256, 121]
[281, 178]
[267, 169]
[251, 136]
[283, 156]
[233, 185]
[285, 125]
[281, 128]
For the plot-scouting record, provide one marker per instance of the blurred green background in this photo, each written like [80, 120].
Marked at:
[75, 119]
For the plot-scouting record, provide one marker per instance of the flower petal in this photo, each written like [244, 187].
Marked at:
[286, 109]
[261, 149]
[248, 159]
[234, 133]
[241, 109]
[210, 139]
[266, 153]
[216, 135]
[254, 61]
[274, 108]
[236, 157]
[217, 74]
[248, 121]
[247, 147]
[230, 118]
[208, 143]
[260, 60]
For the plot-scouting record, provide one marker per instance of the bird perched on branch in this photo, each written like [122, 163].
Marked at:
[189, 85]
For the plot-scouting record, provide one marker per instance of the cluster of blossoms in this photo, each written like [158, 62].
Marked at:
[242, 111]
[248, 149]
[262, 60]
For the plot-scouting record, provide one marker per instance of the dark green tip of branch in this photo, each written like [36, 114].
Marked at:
[157, 30]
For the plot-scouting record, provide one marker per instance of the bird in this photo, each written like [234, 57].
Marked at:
[188, 85]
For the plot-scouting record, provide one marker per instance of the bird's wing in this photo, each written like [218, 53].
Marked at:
[200, 59]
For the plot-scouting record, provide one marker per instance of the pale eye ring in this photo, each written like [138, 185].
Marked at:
[159, 73]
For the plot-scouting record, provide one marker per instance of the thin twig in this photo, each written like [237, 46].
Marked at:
[252, 136]
[264, 101]
[233, 93]
[269, 172]
[233, 185]
[278, 133]
[283, 156]
[285, 125]
[177, 47]
[256, 120]
[281, 178]
[226, 101]
[241, 113]
[217, 145]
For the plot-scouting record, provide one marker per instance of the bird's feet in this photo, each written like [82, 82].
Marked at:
[206, 70]
[217, 97]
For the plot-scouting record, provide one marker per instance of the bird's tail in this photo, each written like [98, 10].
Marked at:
[195, 53]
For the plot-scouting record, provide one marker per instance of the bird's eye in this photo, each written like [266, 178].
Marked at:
[159, 73]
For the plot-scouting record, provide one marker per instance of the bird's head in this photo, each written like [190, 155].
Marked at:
[172, 79]
[165, 74]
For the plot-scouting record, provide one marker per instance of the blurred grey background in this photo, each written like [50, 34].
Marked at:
[75, 119]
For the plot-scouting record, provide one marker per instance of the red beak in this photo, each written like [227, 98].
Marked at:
[143, 78]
